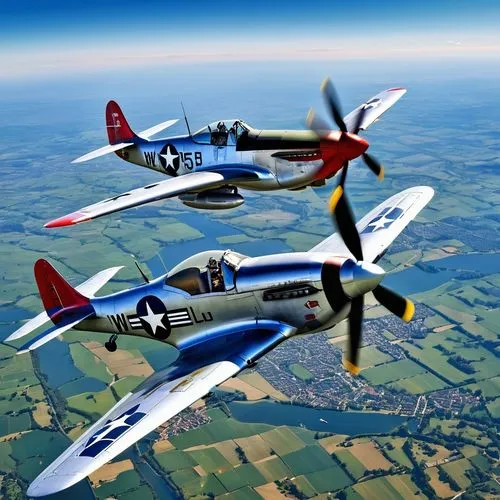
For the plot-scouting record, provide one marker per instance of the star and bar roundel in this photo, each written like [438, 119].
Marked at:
[153, 316]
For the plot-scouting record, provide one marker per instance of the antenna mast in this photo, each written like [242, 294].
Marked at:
[186, 120]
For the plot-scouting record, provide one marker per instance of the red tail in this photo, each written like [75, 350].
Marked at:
[118, 128]
[59, 298]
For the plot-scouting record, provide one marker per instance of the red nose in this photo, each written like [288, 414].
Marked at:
[351, 146]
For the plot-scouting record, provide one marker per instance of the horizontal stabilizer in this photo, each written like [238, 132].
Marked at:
[87, 288]
[146, 134]
[51, 333]
[110, 148]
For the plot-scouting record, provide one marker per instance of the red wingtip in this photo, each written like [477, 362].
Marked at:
[67, 220]
[394, 89]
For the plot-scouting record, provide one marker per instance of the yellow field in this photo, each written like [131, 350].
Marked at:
[162, 445]
[227, 450]
[109, 472]
[251, 392]
[259, 382]
[330, 443]
[441, 454]
[369, 456]
[442, 490]
[270, 491]
[122, 363]
[255, 447]
[404, 485]
[41, 414]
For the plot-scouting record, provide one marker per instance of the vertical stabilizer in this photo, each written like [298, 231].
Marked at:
[117, 126]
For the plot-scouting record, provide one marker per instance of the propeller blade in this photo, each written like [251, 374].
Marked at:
[317, 124]
[355, 322]
[374, 166]
[344, 220]
[398, 305]
[332, 101]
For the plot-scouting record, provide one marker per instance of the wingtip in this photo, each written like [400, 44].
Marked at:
[66, 220]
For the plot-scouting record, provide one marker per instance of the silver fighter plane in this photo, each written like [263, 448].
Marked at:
[207, 168]
[222, 311]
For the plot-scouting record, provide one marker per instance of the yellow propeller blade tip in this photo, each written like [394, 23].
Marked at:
[409, 311]
[310, 117]
[324, 83]
[382, 174]
[351, 367]
[334, 198]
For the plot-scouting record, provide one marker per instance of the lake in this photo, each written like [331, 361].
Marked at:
[339, 422]
[415, 280]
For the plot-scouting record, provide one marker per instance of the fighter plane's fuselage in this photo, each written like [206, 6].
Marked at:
[288, 287]
[269, 160]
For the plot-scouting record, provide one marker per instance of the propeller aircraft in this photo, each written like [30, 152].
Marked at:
[207, 168]
[222, 311]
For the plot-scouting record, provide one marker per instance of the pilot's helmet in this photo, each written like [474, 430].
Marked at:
[212, 262]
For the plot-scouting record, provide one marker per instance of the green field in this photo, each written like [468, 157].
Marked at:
[307, 460]
[388, 488]
[175, 460]
[420, 384]
[456, 470]
[273, 469]
[88, 363]
[390, 372]
[371, 356]
[494, 408]
[331, 479]
[397, 454]
[243, 475]
[436, 361]
[128, 481]
[355, 468]
[92, 402]
[215, 432]
[301, 372]
[282, 440]
[210, 459]
[207, 485]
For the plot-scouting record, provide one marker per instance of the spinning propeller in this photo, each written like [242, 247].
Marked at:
[358, 278]
[354, 145]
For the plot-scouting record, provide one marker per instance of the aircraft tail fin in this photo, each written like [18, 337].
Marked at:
[87, 289]
[60, 299]
[117, 126]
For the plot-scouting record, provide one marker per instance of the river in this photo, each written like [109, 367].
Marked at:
[339, 422]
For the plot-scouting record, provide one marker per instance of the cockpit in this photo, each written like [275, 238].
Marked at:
[206, 272]
[222, 133]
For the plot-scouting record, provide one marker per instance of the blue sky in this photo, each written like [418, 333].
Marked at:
[64, 35]
[32, 20]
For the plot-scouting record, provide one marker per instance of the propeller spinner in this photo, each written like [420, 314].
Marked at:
[351, 144]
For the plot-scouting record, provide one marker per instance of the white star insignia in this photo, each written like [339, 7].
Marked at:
[154, 320]
[169, 157]
[380, 224]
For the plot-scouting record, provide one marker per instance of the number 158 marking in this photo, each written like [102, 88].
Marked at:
[187, 159]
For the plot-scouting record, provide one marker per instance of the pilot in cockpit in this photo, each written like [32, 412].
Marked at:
[222, 133]
[215, 272]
